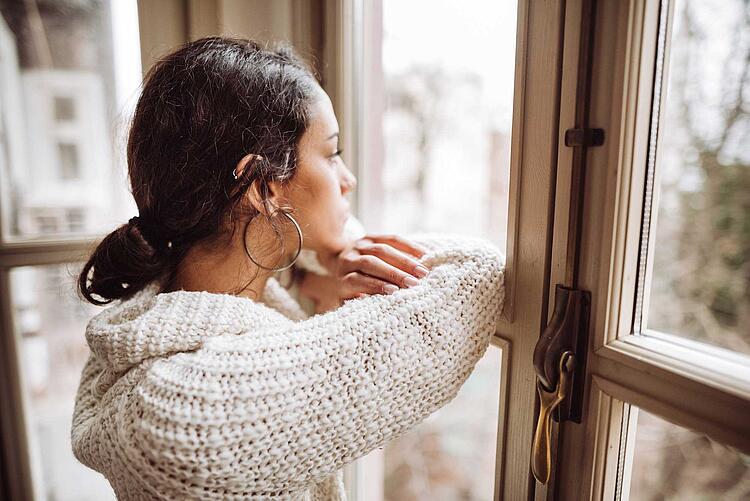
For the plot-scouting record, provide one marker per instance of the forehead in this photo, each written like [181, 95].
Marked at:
[323, 121]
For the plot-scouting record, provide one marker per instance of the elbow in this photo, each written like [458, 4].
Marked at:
[490, 263]
[490, 260]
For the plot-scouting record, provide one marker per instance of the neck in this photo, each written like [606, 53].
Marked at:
[224, 273]
[225, 269]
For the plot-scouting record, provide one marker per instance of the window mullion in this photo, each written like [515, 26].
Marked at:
[48, 252]
[16, 470]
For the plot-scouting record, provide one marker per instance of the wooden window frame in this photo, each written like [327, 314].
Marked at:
[690, 384]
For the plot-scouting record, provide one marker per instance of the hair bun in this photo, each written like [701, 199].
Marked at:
[122, 263]
[152, 234]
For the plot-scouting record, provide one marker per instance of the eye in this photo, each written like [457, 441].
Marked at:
[336, 154]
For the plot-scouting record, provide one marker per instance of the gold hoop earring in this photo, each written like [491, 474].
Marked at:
[296, 255]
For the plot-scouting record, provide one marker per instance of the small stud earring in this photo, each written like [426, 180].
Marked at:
[234, 171]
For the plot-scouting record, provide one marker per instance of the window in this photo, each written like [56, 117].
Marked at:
[68, 161]
[64, 91]
[672, 462]
[46, 223]
[666, 245]
[50, 321]
[76, 220]
[64, 108]
[437, 158]
[700, 210]
[449, 162]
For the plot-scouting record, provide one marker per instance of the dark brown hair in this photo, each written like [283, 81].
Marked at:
[203, 108]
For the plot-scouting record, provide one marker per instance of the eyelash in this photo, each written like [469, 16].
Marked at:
[337, 154]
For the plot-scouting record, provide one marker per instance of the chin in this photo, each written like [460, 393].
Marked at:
[337, 240]
[330, 246]
[340, 244]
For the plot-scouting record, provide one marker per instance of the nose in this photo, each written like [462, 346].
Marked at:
[348, 181]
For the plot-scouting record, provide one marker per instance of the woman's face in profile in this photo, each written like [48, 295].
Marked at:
[317, 191]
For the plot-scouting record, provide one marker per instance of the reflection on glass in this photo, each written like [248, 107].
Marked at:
[701, 264]
[442, 108]
[50, 323]
[673, 463]
[70, 73]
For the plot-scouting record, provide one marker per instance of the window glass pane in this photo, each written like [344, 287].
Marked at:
[673, 463]
[443, 119]
[50, 323]
[701, 262]
[438, 100]
[451, 454]
[70, 76]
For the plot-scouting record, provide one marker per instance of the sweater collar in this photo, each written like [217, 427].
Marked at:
[151, 323]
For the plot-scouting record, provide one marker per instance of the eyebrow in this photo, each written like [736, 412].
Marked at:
[332, 136]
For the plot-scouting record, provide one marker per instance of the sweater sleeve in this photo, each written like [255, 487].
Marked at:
[276, 409]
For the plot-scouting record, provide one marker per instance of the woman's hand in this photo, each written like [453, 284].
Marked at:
[373, 264]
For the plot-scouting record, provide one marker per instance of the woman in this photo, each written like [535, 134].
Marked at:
[206, 379]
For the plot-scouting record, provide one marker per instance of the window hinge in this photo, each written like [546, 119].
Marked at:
[584, 137]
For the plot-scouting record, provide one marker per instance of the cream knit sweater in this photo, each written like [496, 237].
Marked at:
[197, 395]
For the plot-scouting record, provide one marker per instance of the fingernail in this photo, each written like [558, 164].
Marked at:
[410, 281]
[390, 288]
[421, 271]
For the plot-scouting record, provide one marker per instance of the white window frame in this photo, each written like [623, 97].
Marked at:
[690, 384]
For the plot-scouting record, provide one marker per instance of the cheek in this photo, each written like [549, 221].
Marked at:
[327, 189]
[323, 204]
[332, 212]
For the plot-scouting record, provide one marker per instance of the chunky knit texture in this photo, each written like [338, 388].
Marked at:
[197, 395]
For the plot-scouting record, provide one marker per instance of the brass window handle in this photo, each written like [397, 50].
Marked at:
[541, 461]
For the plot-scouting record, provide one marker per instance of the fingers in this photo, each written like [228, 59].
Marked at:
[357, 284]
[394, 263]
[399, 243]
[380, 264]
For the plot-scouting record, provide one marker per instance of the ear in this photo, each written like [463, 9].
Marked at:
[274, 192]
[273, 196]
[253, 194]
